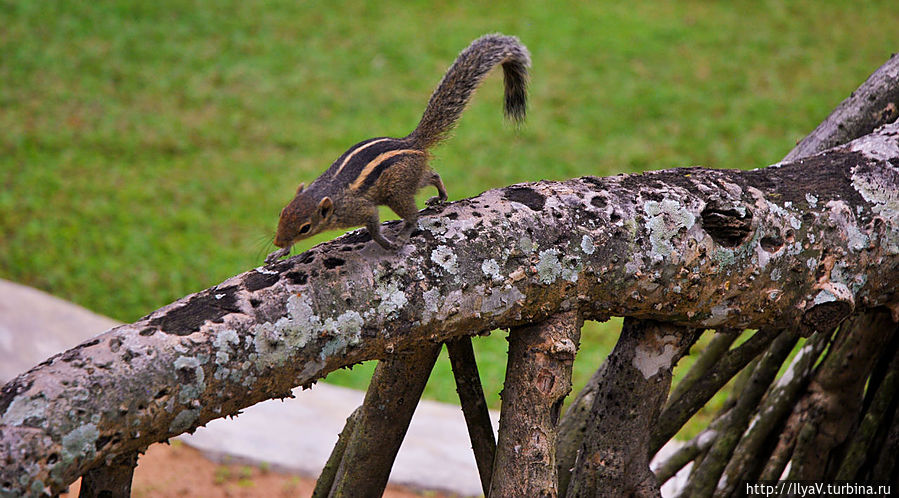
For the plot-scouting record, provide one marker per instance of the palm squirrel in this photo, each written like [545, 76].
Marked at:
[389, 171]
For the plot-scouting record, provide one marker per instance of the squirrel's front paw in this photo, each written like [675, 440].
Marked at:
[276, 255]
[435, 201]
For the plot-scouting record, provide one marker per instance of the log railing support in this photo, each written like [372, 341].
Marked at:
[474, 407]
[538, 378]
[614, 457]
[390, 401]
[110, 481]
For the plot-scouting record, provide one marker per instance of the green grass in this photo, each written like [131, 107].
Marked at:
[146, 148]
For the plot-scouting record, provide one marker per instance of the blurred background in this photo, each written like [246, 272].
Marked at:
[146, 148]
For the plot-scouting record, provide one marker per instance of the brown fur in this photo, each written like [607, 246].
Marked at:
[389, 171]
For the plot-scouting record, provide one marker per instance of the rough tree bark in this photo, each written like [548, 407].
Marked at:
[614, 456]
[113, 480]
[384, 418]
[694, 247]
[538, 378]
[474, 407]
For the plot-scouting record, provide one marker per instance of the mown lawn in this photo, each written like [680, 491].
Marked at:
[146, 148]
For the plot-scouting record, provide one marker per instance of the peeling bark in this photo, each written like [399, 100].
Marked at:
[630, 245]
[614, 456]
[538, 378]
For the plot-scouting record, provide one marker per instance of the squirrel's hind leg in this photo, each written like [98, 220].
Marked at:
[434, 179]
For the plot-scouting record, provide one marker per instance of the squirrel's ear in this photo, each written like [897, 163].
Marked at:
[325, 207]
[300, 188]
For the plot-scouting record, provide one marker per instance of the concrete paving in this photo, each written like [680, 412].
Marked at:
[294, 435]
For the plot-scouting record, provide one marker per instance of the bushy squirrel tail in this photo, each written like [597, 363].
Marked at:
[462, 79]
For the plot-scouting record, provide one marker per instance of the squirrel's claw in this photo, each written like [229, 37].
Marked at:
[276, 255]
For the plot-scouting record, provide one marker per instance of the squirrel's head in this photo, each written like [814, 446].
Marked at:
[303, 217]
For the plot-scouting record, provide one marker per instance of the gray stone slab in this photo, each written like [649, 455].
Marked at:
[35, 325]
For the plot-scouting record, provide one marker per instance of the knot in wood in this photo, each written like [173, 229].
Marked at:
[824, 317]
[728, 225]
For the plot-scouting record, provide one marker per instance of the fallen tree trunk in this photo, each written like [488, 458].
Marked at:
[692, 247]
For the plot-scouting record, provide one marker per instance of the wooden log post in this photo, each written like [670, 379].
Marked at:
[538, 377]
[390, 401]
[614, 456]
[110, 481]
[474, 407]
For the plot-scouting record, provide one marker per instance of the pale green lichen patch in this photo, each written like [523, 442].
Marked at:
[430, 298]
[782, 213]
[812, 200]
[549, 268]
[79, 443]
[348, 326]
[225, 339]
[526, 245]
[491, 268]
[392, 299]
[434, 224]
[192, 390]
[445, 258]
[665, 220]
[184, 421]
[725, 257]
[587, 245]
[275, 341]
[23, 408]
[879, 191]
[223, 343]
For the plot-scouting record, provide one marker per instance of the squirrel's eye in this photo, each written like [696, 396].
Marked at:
[305, 228]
